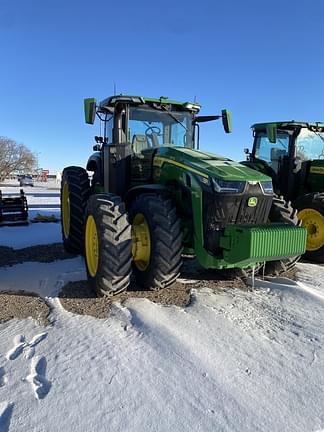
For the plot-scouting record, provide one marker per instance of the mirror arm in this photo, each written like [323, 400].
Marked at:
[203, 119]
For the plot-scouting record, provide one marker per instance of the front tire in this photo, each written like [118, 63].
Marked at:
[157, 241]
[311, 213]
[75, 190]
[108, 248]
[281, 212]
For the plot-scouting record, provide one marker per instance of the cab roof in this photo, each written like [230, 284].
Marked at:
[292, 124]
[111, 101]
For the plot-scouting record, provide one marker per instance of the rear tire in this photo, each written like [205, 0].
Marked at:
[108, 247]
[311, 213]
[281, 212]
[75, 190]
[157, 241]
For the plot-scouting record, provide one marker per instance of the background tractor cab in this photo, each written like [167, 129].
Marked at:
[292, 153]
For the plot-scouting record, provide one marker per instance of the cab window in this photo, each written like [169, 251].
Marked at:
[149, 128]
[272, 153]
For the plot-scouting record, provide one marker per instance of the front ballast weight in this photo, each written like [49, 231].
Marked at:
[13, 209]
[244, 244]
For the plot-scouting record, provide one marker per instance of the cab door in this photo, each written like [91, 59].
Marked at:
[277, 157]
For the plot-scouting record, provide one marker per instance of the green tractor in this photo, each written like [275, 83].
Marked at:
[292, 154]
[153, 196]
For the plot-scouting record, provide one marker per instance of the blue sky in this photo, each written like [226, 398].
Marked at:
[261, 59]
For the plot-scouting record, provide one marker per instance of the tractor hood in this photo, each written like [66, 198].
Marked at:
[207, 164]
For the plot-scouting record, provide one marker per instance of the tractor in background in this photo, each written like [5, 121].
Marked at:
[292, 154]
[154, 196]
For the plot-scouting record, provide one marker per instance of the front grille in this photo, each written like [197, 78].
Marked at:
[223, 209]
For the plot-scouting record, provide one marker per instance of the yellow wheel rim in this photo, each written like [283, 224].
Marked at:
[66, 210]
[91, 246]
[141, 242]
[313, 221]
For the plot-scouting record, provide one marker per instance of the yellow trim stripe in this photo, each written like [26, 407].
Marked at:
[316, 170]
[159, 161]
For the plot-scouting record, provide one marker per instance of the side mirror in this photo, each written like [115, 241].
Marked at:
[246, 151]
[90, 110]
[227, 120]
[272, 133]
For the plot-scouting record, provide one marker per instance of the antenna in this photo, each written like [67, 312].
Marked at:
[114, 89]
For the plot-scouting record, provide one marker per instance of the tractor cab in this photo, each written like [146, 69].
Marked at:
[292, 153]
[134, 129]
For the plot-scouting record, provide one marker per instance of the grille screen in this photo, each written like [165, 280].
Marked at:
[222, 209]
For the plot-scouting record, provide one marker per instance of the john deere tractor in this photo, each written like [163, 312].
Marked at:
[292, 154]
[153, 196]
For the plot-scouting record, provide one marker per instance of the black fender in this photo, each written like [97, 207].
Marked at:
[148, 188]
[94, 162]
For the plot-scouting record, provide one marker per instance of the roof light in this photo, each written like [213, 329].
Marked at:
[191, 106]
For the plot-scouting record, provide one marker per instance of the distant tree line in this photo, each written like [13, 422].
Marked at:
[14, 158]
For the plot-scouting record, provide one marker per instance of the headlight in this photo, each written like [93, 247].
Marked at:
[222, 186]
[267, 187]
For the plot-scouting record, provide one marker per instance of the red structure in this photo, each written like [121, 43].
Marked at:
[43, 176]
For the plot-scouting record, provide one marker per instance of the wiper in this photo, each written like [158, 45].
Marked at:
[282, 144]
[317, 133]
[174, 118]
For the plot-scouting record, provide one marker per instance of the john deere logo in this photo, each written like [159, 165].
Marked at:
[253, 201]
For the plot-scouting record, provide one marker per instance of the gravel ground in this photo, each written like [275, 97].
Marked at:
[78, 298]
[21, 305]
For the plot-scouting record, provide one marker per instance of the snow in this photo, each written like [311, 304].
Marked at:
[232, 361]
[42, 199]
[49, 279]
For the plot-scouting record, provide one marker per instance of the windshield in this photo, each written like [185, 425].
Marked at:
[272, 153]
[310, 145]
[148, 128]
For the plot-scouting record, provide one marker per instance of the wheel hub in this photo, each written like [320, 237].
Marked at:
[313, 221]
[141, 242]
[92, 246]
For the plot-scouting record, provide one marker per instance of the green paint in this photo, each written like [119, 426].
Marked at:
[288, 125]
[316, 176]
[245, 244]
[208, 164]
[175, 165]
[163, 100]
[90, 110]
